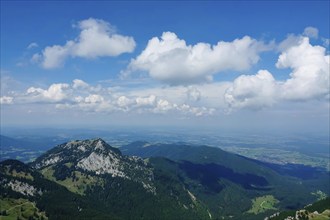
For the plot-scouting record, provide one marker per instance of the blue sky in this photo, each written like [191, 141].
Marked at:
[219, 64]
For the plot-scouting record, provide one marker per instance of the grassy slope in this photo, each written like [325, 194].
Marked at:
[19, 208]
[263, 203]
[76, 185]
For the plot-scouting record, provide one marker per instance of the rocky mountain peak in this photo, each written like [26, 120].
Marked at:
[75, 151]
[97, 157]
[97, 144]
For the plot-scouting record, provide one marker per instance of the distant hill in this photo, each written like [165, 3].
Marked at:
[206, 154]
[25, 149]
[31, 142]
[290, 184]
[7, 142]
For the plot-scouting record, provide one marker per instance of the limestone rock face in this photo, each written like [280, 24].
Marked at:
[98, 157]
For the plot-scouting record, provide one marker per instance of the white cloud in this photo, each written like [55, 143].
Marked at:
[55, 56]
[193, 94]
[32, 45]
[163, 106]
[96, 39]
[311, 32]
[309, 79]
[80, 96]
[94, 98]
[290, 41]
[169, 59]
[146, 101]
[310, 75]
[294, 40]
[252, 91]
[78, 99]
[202, 111]
[55, 93]
[36, 58]
[124, 102]
[6, 100]
[79, 84]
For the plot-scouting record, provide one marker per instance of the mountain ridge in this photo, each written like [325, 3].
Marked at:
[206, 183]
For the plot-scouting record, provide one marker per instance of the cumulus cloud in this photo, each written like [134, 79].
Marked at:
[79, 84]
[311, 32]
[94, 98]
[97, 38]
[124, 103]
[140, 104]
[169, 59]
[252, 91]
[6, 100]
[146, 101]
[80, 96]
[310, 75]
[309, 79]
[54, 56]
[55, 93]
[164, 106]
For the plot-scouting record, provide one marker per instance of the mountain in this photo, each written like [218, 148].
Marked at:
[89, 179]
[241, 179]
[206, 154]
[93, 156]
[97, 173]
